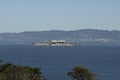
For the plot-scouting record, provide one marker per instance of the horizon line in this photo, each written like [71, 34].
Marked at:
[58, 30]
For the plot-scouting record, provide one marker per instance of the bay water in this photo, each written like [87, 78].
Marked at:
[56, 62]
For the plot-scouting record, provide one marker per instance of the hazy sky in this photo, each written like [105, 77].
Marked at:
[38, 15]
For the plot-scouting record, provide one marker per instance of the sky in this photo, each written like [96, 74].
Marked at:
[42, 15]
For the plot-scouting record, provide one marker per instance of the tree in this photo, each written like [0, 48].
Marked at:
[0, 60]
[81, 73]
[9, 71]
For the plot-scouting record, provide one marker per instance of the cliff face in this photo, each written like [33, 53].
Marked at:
[85, 36]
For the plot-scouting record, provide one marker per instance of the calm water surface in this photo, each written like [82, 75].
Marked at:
[55, 62]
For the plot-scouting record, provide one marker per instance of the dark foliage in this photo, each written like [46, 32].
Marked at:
[81, 73]
[15, 72]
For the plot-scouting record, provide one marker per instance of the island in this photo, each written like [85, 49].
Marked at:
[55, 43]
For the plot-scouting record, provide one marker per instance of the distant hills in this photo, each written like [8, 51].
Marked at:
[84, 37]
